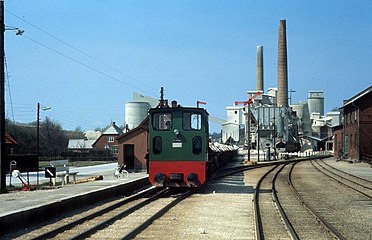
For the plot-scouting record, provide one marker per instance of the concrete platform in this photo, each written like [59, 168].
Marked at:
[21, 208]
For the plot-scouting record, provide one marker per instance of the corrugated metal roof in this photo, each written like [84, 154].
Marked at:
[80, 144]
[358, 96]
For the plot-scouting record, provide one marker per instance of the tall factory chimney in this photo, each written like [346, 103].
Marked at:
[282, 100]
[259, 71]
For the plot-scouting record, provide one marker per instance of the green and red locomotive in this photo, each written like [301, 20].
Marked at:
[179, 148]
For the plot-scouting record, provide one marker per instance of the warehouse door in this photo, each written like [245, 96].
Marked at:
[129, 156]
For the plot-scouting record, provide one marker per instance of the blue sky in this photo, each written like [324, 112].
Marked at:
[84, 58]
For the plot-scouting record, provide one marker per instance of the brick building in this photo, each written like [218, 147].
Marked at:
[356, 132]
[107, 141]
[133, 147]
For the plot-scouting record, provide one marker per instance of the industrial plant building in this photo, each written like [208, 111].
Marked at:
[267, 120]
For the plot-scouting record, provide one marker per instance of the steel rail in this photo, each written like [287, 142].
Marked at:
[258, 220]
[288, 224]
[349, 174]
[320, 218]
[103, 224]
[157, 215]
[340, 182]
[232, 170]
[72, 224]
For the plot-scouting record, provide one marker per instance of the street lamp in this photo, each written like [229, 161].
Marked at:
[18, 31]
[38, 136]
[38, 128]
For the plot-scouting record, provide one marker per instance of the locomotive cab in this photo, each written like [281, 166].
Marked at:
[178, 146]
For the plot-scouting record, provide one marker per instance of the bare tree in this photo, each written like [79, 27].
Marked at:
[53, 140]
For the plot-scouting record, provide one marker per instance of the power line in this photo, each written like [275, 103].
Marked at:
[65, 118]
[81, 63]
[82, 52]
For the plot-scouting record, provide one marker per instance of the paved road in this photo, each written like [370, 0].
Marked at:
[83, 172]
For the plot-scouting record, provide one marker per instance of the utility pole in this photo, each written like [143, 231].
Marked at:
[2, 104]
[249, 131]
[38, 131]
[38, 139]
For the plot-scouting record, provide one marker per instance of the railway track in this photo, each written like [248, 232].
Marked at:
[282, 213]
[307, 224]
[123, 220]
[342, 210]
[358, 184]
[290, 201]
[268, 220]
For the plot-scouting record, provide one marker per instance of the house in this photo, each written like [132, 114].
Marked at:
[133, 147]
[356, 132]
[83, 145]
[107, 142]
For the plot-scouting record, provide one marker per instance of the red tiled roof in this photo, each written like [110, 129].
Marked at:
[9, 140]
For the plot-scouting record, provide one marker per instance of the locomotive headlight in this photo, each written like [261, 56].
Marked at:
[176, 131]
[159, 178]
[192, 177]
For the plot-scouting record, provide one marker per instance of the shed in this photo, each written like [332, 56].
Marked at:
[133, 147]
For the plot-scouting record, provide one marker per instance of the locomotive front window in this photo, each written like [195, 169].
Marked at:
[162, 121]
[157, 145]
[192, 121]
[197, 145]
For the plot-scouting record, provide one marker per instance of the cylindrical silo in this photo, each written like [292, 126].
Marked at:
[299, 109]
[135, 113]
[282, 100]
[315, 100]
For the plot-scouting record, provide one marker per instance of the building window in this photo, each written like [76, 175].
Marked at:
[351, 140]
[355, 142]
[350, 115]
[355, 116]
[114, 150]
[110, 139]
